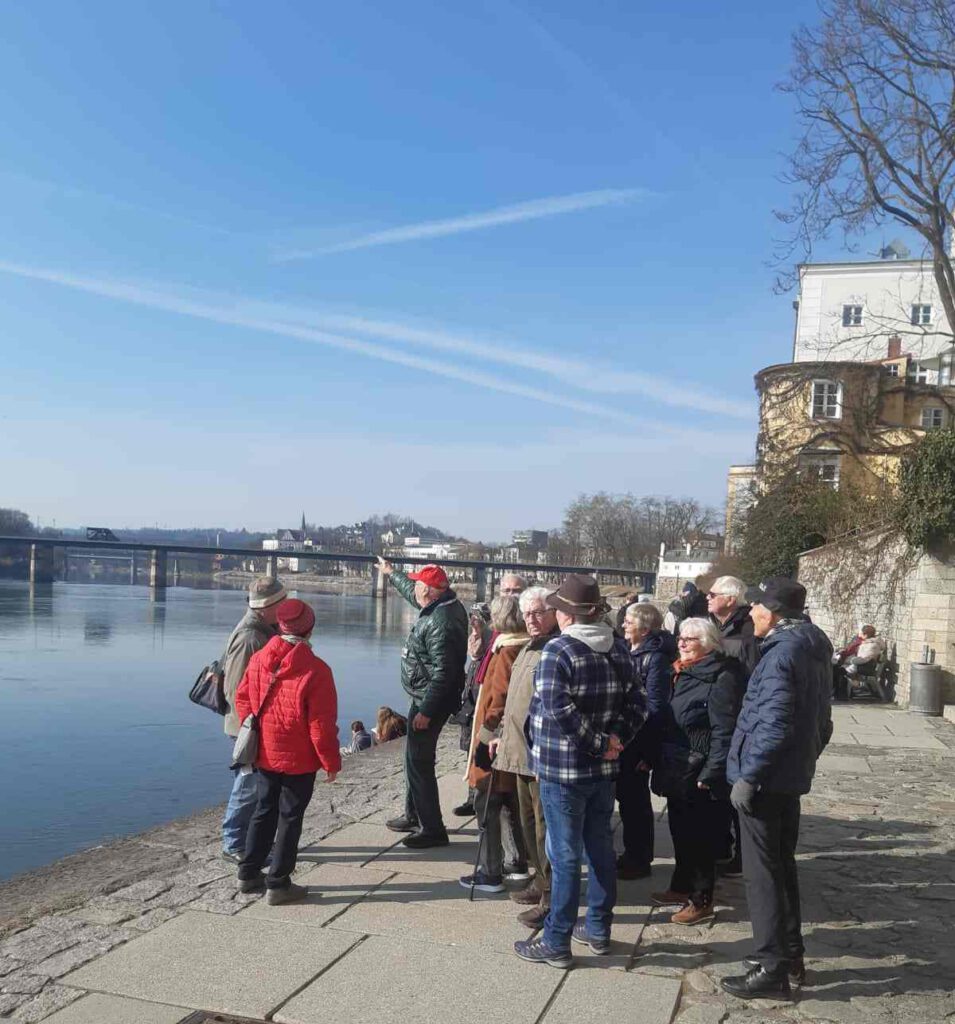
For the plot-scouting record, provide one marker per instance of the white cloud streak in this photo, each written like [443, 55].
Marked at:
[229, 312]
[533, 209]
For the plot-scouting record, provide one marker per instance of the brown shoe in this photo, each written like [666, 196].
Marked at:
[533, 918]
[664, 899]
[530, 895]
[692, 914]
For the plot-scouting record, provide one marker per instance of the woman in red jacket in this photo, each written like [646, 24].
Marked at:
[292, 694]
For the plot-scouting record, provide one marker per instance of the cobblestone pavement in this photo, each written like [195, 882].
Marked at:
[149, 929]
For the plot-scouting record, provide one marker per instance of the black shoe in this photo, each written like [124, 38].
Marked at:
[402, 824]
[797, 969]
[465, 810]
[758, 984]
[425, 840]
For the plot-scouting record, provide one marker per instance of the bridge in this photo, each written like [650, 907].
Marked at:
[484, 574]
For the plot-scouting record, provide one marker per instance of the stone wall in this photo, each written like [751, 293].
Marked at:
[909, 598]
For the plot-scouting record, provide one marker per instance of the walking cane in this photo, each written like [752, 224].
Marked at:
[482, 833]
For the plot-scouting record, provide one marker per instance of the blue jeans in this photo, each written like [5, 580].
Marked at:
[578, 825]
[238, 812]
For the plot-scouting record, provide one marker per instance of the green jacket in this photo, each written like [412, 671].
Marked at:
[432, 660]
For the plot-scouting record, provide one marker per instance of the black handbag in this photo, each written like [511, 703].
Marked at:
[208, 691]
[679, 768]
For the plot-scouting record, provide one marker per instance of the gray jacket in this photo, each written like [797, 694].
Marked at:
[251, 635]
[512, 753]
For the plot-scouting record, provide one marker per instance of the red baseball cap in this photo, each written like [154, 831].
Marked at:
[433, 575]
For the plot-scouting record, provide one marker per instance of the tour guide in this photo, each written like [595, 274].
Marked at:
[432, 674]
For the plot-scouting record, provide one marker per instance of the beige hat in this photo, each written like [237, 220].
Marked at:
[265, 591]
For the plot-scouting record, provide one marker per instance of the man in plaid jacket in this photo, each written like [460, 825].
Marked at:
[588, 704]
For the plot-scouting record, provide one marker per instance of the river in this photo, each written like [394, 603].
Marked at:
[99, 739]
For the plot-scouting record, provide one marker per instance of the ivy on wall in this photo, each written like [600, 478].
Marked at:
[925, 509]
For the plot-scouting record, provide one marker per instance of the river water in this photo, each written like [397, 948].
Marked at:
[98, 736]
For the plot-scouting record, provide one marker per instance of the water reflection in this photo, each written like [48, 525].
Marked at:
[100, 739]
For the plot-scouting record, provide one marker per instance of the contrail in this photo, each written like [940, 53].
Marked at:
[533, 209]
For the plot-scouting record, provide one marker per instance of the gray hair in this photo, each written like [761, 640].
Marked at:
[506, 615]
[646, 616]
[514, 576]
[729, 586]
[704, 631]
[532, 595]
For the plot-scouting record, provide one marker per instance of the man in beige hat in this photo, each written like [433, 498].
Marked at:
[253, 632]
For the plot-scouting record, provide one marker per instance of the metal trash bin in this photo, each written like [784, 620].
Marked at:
[925, 689]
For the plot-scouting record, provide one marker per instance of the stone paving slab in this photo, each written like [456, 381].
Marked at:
[392, 979]
[333, 888]
[216, 963]
[101, 1009]
[448, 862]
[356, 844]
[869, 739]
[843, 763]
[437, 911]
[589, 995]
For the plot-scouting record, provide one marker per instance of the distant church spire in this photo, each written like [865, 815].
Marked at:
[304, 527]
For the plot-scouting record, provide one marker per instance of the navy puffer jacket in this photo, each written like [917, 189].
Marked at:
[786, 719]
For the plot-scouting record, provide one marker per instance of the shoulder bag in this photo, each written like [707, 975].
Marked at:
[245, 750]
[208, 691]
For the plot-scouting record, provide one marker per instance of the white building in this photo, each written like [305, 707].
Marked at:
[849, 311]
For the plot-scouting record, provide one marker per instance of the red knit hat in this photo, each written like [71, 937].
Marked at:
[433, 575]
[295, 617]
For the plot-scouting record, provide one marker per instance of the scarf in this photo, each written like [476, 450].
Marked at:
[291, 638]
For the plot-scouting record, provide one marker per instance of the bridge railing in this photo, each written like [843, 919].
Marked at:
[42, 548]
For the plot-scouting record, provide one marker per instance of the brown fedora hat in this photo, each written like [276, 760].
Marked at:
[577, 595]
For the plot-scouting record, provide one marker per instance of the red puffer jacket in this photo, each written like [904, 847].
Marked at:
[298, 730]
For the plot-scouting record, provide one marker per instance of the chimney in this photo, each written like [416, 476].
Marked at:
[895, 347]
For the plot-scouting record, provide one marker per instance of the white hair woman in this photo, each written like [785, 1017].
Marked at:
[653, 650]
[494, 789]
[690, 769]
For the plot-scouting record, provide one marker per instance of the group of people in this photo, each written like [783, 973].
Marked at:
[565, 714]
[389, 726]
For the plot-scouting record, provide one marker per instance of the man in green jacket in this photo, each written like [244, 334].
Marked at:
[432, 674]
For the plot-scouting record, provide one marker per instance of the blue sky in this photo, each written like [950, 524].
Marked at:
[460, 261]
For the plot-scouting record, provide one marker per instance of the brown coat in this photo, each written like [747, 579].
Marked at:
[491, 700]
[512, 753]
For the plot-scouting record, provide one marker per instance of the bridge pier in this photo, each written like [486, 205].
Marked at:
[272, 566]
[379, 584]
[41, 563]
[176, 574]
[157, 571]
[132, 568]
[480, 585]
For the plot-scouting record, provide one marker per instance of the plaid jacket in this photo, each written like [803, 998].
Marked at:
[580, 697]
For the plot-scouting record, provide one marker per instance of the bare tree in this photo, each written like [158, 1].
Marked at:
[875, 87]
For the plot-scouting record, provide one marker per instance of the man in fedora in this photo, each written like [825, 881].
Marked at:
[432, 674]
[587, 705]
[784, 724]
[253, 632]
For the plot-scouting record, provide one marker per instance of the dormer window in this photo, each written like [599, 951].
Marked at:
[826, 400]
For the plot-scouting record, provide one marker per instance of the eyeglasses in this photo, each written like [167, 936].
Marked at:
[689, 640]
[715, 593]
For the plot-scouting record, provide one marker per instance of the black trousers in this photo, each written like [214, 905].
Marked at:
[636, 811]
[422, 804]
[277, 818]
[769, 837]
[698, 826]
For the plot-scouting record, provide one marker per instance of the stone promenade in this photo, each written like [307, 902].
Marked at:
[151, 931]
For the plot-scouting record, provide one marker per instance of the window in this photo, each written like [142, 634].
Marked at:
[825, 468]
[892, 369]
[851, 316]
[921, 315]
[916, 373]
[826, 399]
[931, 419]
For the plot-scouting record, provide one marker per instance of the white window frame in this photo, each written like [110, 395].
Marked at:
[826, 468]
[892, 369]
[853, 315]
[822, 382]
[916, 373]
[921, 314]
[936, 417]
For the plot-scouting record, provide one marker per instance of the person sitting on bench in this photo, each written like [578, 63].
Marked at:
[858, 657]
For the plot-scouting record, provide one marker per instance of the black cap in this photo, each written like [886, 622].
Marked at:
[779, 594]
